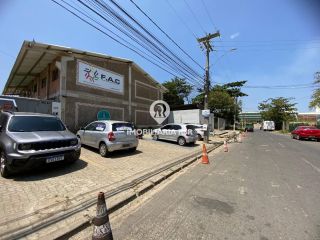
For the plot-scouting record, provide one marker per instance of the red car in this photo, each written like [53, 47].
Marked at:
[306, 132]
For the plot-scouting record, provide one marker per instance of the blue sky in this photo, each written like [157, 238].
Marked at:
[278, 42]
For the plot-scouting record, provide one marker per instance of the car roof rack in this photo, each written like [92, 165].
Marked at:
[8, 111]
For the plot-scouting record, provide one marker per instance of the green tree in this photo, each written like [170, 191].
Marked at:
[278, 110]
[315, 99]
[222, 99]
[178, 91]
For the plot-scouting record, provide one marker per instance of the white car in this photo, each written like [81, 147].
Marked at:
[109, 136]
[180, 133]
[199, 128]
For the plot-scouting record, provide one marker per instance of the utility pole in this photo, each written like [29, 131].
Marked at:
[207, 45]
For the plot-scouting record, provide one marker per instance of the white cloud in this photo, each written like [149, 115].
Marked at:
[235, 35]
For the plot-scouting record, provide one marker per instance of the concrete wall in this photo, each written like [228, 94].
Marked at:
[82, 103]
[32, 105]
[193, 116]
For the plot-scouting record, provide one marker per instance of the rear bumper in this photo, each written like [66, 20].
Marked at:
[122, 145]
[17, 162]
[190, 139]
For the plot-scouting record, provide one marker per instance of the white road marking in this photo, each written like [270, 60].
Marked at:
[242, 190]
[274, 185]
[298, 186]
[281, 145]
[310, 164]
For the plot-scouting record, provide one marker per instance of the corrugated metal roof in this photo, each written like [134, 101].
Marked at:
[34, 57]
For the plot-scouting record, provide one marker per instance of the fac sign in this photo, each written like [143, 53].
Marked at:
[97, 77]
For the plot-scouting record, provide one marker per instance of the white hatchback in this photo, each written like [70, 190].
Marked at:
[180, 133]
[109, 136]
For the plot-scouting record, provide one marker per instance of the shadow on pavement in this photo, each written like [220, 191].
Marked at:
[175, 143]
[49, 171]
[115, 154]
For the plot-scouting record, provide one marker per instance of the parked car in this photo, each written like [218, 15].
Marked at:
[109, 136]
[180, 133]
[249, 127]
[268, 126]
[199, 128]
[29, 139]
[306, 132]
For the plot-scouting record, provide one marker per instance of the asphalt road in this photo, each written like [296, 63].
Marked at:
[267, 187]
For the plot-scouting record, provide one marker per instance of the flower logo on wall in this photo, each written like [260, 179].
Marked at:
[91, 74]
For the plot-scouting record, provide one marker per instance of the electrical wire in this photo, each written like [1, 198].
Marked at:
[184, 65]
[182, 21]
[131, 47]
[194, 16]
[208, 14]
[170, 38]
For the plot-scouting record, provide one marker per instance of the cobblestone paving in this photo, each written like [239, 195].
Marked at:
[28, 192]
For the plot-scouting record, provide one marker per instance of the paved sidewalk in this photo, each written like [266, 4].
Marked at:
[35, 195]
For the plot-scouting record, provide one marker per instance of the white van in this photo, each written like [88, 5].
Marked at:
[268, 126]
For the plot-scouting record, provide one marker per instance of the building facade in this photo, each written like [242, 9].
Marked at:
[82, 83]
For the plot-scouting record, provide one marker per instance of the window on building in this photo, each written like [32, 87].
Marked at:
[55, 74]
[35, 88]
[43, 83]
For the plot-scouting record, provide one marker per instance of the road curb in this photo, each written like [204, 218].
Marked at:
[148, 186]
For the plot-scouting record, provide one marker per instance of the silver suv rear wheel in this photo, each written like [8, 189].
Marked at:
[3, 168]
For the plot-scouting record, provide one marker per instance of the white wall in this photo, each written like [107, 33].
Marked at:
[185, 116]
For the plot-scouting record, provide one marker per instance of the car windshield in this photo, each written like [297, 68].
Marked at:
[34, 124]
[122, 126]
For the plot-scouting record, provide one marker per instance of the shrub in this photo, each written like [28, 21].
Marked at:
[293, 125]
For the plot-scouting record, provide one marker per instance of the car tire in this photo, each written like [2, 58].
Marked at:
[182, 141]
[298, 137]
[103, 150]
[3, 168]
[155, 137]
[199, 137]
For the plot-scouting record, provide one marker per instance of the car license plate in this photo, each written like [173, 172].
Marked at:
[125, 145]
[55, 159]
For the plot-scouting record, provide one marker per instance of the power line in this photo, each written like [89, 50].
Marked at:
[131, 47]
[180, 18]
[112, 37]
[166, 34]
[118, 36]
[208, 14]
[177, 59]
[194, 16]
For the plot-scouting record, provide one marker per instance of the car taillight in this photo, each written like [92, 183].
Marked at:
[111, 136]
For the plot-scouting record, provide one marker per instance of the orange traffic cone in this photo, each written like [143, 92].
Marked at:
[205, 159]
[102, 229]
[225, 146]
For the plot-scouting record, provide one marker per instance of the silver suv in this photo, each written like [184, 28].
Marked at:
[180, 133]
[30, 139]
[109, 136]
